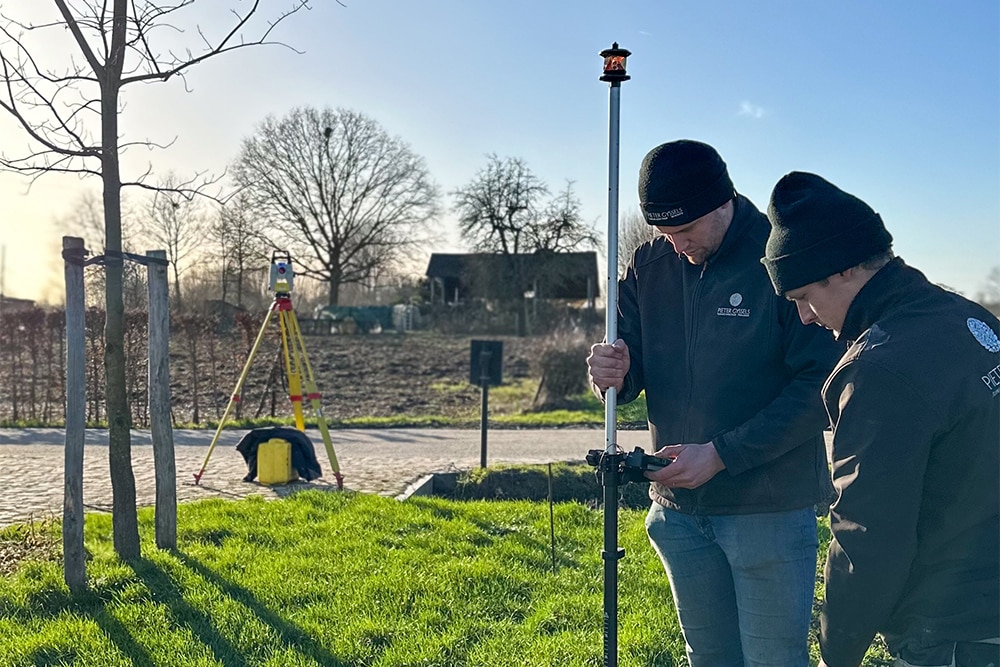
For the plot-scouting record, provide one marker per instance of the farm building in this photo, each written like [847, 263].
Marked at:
[456, 278]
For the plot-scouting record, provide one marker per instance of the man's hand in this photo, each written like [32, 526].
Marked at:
[692, 466]
[607, 365]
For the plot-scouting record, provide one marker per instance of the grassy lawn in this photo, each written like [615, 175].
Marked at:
[346, 579]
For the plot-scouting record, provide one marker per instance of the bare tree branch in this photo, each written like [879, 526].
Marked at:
[116, 41]
[70, 114]
[74, 27]
[501, 211]
[335, 185]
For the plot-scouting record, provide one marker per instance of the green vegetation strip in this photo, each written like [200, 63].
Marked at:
[336, 579]
[507, 410]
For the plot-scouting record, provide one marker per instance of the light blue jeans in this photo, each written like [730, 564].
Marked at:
[743, 584]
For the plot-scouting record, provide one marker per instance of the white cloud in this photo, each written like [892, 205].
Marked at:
[748, 108]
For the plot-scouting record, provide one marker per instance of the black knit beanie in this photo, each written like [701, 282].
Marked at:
[818, 230]
[681, 181]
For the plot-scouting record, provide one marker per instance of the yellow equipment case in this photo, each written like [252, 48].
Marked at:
[274, 462]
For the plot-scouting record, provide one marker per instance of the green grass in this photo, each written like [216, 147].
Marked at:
[508, 407]
[342, 579]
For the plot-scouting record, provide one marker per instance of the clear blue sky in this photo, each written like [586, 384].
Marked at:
[895, 101]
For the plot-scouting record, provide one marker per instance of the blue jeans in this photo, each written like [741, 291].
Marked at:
[743, 584]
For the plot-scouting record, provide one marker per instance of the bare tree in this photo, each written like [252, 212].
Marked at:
[335, 187]
[503, 210]
[69, 108]
[989, 295]
[633, 231]
[238, 247]
[562, 228]
[86, 221]
[177, 224]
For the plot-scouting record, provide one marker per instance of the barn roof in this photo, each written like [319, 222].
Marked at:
[558, 275]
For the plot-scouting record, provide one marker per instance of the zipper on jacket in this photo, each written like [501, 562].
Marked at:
[692, 334]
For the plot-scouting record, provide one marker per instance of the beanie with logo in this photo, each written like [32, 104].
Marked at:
[681, 181]
[818, 230]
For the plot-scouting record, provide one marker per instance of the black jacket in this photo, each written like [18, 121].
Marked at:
[722, 358]
[915, 405]
[303, 453]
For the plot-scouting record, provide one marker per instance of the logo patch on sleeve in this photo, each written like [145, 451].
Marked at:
[984, 334]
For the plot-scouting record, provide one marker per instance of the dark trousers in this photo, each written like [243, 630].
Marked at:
[960, 654]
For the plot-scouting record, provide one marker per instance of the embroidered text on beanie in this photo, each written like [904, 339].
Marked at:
[681, 181]
[818, 230]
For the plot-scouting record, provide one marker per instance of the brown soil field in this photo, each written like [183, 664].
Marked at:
[375, 375]
[412, 375]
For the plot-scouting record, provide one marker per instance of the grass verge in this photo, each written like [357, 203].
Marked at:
[336, 579]
[343, 579]
[508, 408]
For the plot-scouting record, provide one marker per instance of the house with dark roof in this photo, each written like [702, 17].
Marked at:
[455, 278]
[9, 304]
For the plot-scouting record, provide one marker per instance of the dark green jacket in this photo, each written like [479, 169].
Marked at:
[724, 359]
[915, 405]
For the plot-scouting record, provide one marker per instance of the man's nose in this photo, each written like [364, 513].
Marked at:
[806, 313]
[679, 244]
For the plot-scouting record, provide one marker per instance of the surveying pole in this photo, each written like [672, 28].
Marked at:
[609, 467]
[297, 366]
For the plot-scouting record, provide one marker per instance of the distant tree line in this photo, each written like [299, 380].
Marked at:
[355, 206]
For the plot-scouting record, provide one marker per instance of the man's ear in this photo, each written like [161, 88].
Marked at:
[847, 274]
[852, 275]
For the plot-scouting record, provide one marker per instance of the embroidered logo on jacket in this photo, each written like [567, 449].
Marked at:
[992, 380]
[988, 339]
[735, 299]
[984, 334]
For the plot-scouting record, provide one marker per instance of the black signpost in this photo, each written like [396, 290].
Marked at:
[485, 369]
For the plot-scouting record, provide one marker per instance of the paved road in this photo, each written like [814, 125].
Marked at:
[385, 462]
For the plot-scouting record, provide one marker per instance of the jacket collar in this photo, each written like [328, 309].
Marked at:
[890, 285]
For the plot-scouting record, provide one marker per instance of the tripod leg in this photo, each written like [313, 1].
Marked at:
[314, 396]
[236, 393]
[286, 319]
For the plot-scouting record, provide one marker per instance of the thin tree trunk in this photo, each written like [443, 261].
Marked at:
[192, 337]
[177, 286]
[125, 524]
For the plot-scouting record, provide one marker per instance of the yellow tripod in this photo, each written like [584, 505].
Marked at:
[297, 366]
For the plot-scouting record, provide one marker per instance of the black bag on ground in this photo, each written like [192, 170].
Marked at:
[303, 453]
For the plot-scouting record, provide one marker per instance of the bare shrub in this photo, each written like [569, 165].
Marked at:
[561, 365]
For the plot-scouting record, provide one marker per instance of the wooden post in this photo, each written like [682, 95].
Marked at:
[74, 557]
[161, 430]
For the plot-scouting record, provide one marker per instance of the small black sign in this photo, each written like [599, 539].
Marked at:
[486, 362]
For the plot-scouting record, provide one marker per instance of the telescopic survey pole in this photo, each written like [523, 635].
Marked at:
[614, 73]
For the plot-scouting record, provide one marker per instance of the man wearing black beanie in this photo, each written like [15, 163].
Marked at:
[732, 382]
[915, 408]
